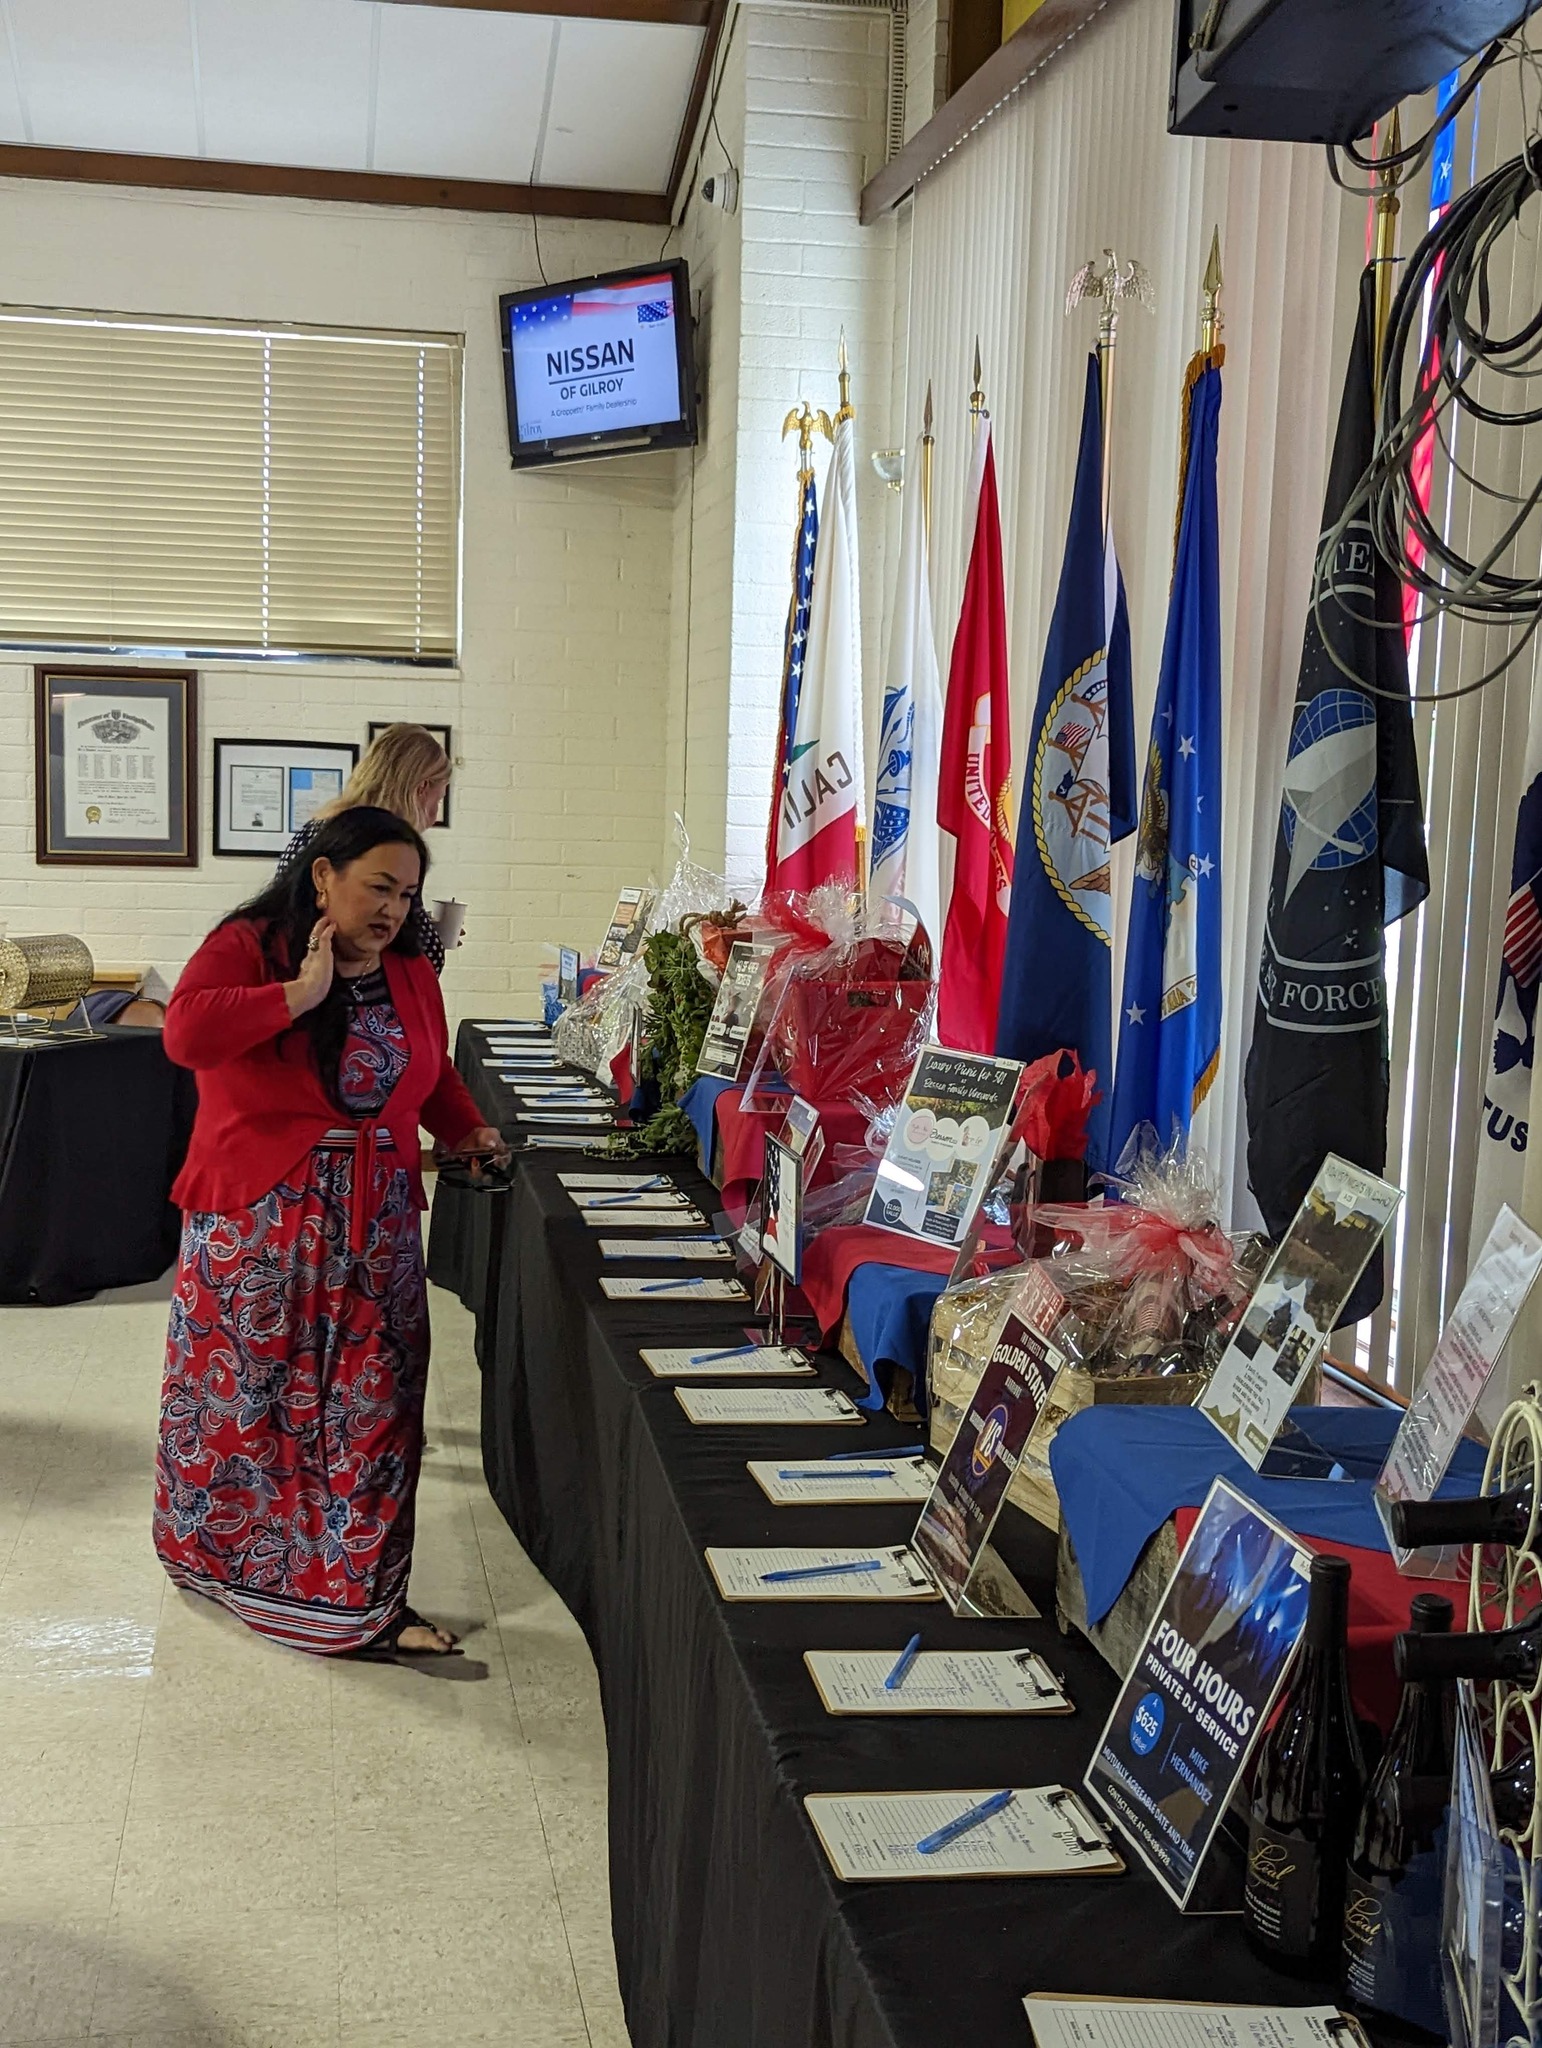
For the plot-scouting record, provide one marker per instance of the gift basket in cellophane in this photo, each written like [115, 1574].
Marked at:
[848, 1006]
[1151, 1287]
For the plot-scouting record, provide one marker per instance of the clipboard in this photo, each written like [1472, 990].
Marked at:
[1062, 1703]
[1342, 2028]
[1095, 1855]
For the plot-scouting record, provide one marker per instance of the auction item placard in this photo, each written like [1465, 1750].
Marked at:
[624, 935]
[734, 1011]
[955, 1526]
[943, 1147]
[1466, 1353]
[1201, 1689]
[1297, 1303]
[567, 975]
[781, 1210]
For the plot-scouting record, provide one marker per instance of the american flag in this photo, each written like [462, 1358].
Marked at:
[804, 545]
[1523, 934]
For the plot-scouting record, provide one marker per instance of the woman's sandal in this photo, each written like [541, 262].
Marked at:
[385, 1648]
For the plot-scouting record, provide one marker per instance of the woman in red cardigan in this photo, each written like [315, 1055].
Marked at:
[292, 1418]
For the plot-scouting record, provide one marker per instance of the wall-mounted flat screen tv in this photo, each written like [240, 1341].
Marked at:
[600, 365]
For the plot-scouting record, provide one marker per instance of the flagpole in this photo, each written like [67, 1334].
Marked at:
[928, 442]
[977, 410]
[844, 412]
[1115, 283]
[1389, 177]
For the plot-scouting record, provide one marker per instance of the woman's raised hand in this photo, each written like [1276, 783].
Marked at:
[314, 979]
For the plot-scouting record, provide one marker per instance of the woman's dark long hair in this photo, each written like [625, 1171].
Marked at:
[285, 914]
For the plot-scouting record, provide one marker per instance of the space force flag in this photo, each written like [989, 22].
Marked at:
[1505, 1127]
[1170, 1011]
[974, 791]
[1078, 801]
[905, 847]
[821, 801]
[1349, 860]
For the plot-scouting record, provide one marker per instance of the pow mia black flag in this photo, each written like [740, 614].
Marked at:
[1348, 861]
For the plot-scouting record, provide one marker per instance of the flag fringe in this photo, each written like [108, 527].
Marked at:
[1207, 359]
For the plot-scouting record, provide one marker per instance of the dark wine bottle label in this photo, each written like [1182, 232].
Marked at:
[1392, 1941]
[1280, 1898]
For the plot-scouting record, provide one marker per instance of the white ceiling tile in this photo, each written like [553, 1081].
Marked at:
[617, 103]
[460, 92]
[285, 81]
[97, 74]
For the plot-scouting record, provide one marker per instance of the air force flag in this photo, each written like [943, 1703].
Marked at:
[1170, 1012]
[1349, 860]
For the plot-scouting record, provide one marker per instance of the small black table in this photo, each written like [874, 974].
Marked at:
[92, 1135]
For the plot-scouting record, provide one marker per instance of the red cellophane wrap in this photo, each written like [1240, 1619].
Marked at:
[1152, 1275]
[851, 1006]
[1059, 1100]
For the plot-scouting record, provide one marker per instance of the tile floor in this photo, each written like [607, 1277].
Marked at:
[210, 1842]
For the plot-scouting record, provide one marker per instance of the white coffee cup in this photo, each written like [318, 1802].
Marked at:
[449, 921]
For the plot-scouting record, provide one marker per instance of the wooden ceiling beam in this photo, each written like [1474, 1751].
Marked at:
[674, 13]
[1042, 36]
[705, 60]
[368, 188]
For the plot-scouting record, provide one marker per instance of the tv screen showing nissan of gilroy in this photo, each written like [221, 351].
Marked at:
[600, 364]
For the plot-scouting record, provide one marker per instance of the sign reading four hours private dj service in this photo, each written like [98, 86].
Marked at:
[1200, 1691]
[596, 359]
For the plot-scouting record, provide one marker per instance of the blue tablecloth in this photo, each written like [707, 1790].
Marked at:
[891, 1311]
[1121, 1471]
[700, 1102]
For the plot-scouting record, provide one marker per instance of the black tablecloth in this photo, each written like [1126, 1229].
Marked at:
[92, 1135]
[730, 1930]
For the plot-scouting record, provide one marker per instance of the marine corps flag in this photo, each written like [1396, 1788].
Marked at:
[974, 791]
[1349, 860]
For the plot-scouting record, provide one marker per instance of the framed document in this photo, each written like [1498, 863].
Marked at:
[441, 733]
[117, 767]
[265, 790]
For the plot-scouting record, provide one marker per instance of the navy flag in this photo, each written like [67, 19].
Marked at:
[1349, 859]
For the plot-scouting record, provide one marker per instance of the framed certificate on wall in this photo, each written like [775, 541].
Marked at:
[117, 767]
[265, 790]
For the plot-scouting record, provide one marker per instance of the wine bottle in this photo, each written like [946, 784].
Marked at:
[1514, 1653]
[1391, 1954]
[1514, 1790]
[1307, 1789]
[1483, 1518]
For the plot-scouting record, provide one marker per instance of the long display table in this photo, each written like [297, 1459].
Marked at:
[730, 1929]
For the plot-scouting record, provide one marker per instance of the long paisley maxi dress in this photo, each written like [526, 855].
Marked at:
[292, 1416]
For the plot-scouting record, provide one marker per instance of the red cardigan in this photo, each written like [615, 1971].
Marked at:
[261, 1105]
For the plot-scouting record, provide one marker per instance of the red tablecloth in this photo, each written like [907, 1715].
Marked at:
[1379, 1599]
[834, 1255]
[742, 1135]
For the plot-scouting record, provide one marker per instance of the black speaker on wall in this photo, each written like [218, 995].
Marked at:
[1318, 70]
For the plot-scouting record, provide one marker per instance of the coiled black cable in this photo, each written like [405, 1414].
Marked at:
[1460, 374]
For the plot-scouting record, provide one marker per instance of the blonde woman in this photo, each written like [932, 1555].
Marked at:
[406, 772]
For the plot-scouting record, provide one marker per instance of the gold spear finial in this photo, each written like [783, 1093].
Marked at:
[846, 410]
[977, 411]
[1389, 176]
[1210, 321]
[1112, 285]
[808, 423]
[926, 412]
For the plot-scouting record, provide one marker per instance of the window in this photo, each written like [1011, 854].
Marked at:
[220, 489]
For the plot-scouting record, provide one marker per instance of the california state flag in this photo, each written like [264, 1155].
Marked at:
[974, 795]
[817, 830]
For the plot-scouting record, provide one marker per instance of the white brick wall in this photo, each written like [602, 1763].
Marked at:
[559, 707]
[803, 109]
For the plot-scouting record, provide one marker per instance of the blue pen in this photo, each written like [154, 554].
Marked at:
[816, 1472]
[734, 1351]
[906, 1451]
[901, 1671]
[997, 1803]
[658, 1286]
[617, 1201]
[824, 1571]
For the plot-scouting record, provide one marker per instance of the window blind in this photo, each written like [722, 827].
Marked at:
[228, 489]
